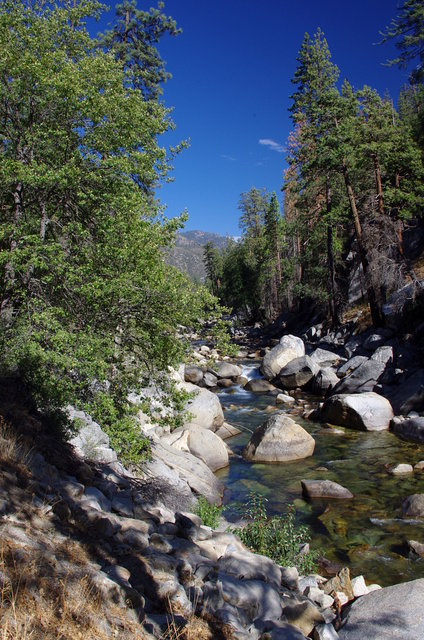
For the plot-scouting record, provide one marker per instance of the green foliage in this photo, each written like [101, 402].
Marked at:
[407, 29]
[87, 305]
[278, 537]
[209, 513]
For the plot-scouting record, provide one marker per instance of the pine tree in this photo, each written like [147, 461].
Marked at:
[133, 39]
[408, 31]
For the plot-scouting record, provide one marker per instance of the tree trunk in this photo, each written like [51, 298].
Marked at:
[372, 300]
[378, 184]
[330, 257]
[6, 310]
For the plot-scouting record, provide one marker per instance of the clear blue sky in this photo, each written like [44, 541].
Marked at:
[230, 89]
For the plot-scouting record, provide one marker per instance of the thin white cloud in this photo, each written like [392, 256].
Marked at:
[226, 157]
[272, 144]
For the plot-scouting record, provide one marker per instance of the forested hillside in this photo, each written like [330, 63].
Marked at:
[353, 187]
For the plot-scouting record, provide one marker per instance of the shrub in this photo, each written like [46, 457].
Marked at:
[277, 537]
[210, 513]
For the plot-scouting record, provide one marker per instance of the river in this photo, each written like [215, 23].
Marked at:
[366, 533]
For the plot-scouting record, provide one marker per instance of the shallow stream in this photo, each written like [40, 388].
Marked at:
[366, 533]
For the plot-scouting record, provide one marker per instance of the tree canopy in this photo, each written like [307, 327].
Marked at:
[87, 303]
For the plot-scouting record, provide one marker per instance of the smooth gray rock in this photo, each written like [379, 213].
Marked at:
[377, 339]
[258, 385]
[256, 598]
[209, 447]
[383, 355]
[226, 370]
[227, 431]
[279, 439]
[409, 396]
[190, 469]
[210, 380]
[393, 613]
[245, 565]
[301, 612]
[193, 374]
[204, 407]
[298, 372]
[364, 378]
[413, 506]
[290, 347]
[409, 429]
[96, 499]
[349, 366]
[364, 411]
[324, 380]
[324, 489]
[325, 358]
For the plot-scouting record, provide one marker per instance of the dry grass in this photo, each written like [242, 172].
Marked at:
[360, 313]
[36, 605]
[13, 448]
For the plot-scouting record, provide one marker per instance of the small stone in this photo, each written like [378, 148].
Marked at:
[400, 469]
[419, 466]
[290, 577]
[325, 632]
[416, 547]
[359, 587]
[285, 399]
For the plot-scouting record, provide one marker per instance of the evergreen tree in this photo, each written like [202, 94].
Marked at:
[213, 264]
[408, 31]
[133, 39]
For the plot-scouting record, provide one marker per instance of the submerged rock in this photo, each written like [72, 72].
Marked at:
[279, 439]
[324, 489]
[413, 506]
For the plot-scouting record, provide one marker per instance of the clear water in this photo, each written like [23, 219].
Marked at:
[366, 533]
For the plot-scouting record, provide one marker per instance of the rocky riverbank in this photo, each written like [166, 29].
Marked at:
[119, 554]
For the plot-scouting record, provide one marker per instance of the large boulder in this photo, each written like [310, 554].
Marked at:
[193, 374]
[326, 358]
[409, 429]
[395, 612]
[279, 439]
[209, 447]
[289, 348]
[204, 407]
[323, 381]
[364, 411]
[363, 378]
[188, 468]
[350, 365]
[226, 370]
[298, 372]
[409, 396]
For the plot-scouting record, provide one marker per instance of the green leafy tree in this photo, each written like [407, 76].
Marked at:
[87, 304]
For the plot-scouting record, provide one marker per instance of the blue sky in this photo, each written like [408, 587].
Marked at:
[232, 68]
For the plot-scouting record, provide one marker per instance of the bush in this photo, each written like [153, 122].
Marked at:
[210, 513]
[277, 537]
